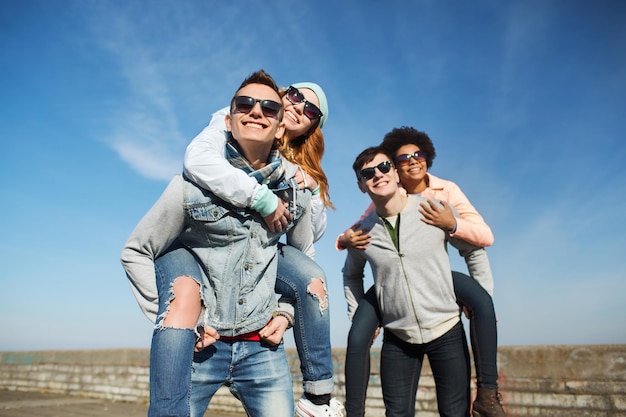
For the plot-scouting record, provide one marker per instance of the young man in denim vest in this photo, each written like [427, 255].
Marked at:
[204, 271]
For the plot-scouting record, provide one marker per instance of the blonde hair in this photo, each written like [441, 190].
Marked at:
[306, 151]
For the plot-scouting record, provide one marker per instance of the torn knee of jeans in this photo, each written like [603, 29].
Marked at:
[317, 288]
[171, 296]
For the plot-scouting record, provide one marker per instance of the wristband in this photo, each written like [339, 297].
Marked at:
[289, 317]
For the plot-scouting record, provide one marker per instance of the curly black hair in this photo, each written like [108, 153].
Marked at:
[406, 135]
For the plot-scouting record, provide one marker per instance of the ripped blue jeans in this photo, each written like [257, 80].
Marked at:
[182, 383]
[295, 281]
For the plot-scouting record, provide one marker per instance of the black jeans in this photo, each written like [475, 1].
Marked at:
[483, 335]
[401, 366]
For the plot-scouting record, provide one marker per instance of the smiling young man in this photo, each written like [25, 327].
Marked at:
[413, 287]
[205, 271]
[300, 278]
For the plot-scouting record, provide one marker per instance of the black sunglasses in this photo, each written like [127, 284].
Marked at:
[245, 104]
[310, 110]
[368, 173]
[405, 158]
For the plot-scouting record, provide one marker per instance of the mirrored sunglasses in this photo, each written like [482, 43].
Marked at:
[368, 173]
[405, 158]
[245, 104]
[310, 110]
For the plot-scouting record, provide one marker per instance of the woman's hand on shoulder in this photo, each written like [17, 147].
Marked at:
[439, 216]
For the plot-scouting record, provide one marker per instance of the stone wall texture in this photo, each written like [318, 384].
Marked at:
[546, 381]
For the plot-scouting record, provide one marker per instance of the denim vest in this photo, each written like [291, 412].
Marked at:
[238, 255]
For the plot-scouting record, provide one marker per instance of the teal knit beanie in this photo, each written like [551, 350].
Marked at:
[320, 96]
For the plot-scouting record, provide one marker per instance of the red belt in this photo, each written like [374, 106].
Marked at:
[246, 337]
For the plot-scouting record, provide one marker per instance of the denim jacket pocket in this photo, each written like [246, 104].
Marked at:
[205, 212]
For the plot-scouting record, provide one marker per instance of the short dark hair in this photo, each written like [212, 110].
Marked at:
[259, 77]
[406, 135]
[367, 156]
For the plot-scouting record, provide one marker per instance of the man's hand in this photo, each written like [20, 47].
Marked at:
[279, 219]
[442, 217]
[208, 336]
[274, 330]
[353, 238]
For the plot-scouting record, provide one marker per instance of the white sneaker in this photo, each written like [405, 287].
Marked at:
[337, 407]
[306, 408]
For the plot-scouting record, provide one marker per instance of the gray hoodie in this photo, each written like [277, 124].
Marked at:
[413, 284]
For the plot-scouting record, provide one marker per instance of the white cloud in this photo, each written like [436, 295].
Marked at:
[151, 162]
[175, 67]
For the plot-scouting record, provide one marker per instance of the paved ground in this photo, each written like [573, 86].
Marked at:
[33, 404]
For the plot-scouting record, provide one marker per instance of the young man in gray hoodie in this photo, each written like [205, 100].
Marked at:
[414, 289]
[204, 272]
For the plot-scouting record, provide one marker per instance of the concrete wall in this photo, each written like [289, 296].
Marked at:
[546, 381]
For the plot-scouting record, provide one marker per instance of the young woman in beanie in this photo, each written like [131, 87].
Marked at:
[299, 278]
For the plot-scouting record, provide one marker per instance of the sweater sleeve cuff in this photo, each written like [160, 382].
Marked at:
[265, 201]
[338, 244]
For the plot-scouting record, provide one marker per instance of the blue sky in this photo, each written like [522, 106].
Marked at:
[524, 100]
